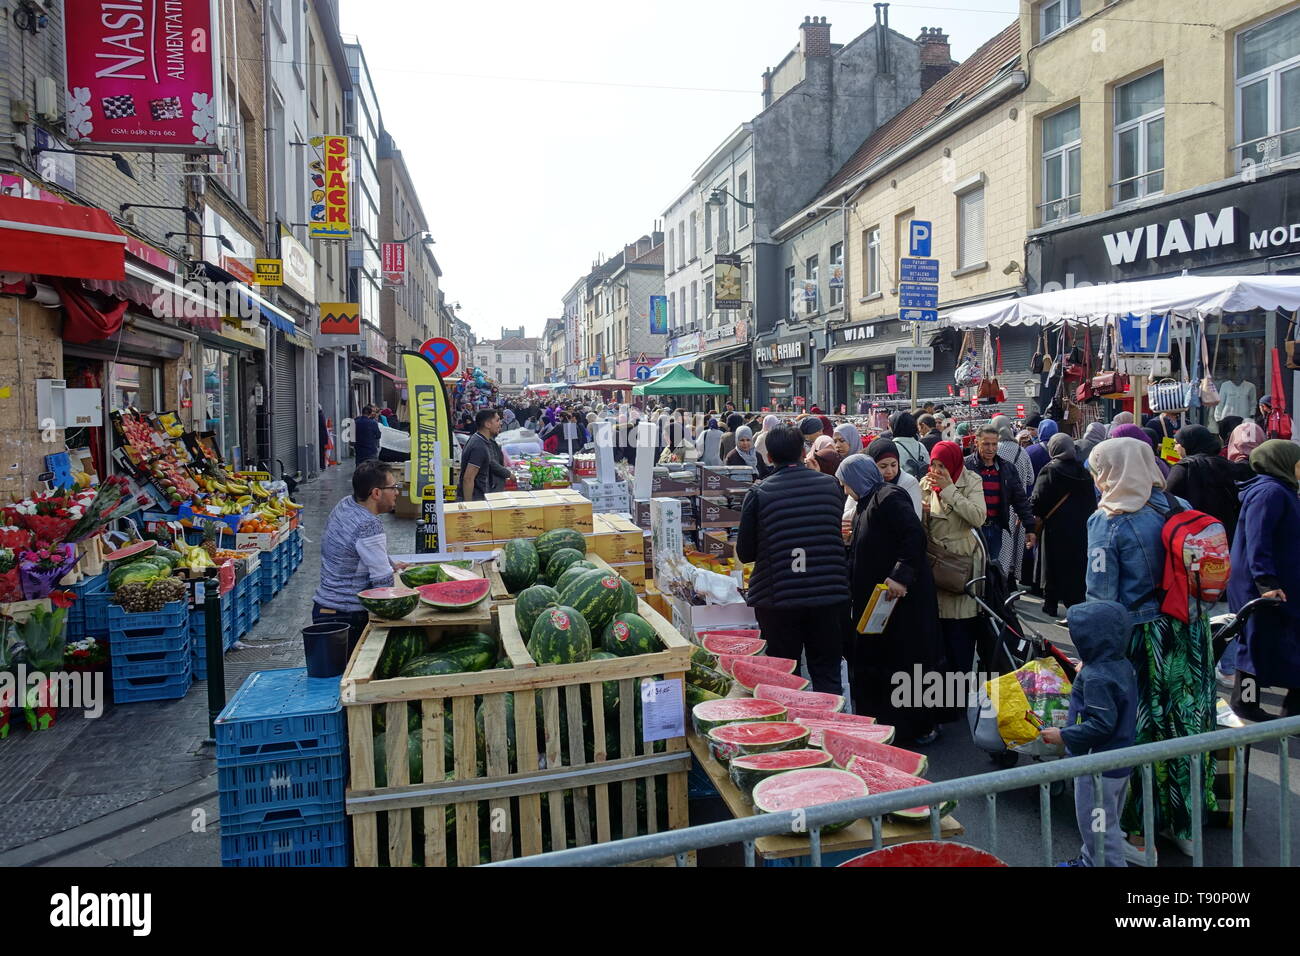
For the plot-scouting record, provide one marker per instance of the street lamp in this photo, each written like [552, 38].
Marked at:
[122, 165]
[720, 195]
[205, 235]
[190, 214]
[427, 239]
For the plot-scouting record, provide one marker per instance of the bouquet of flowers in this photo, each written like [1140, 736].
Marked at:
[14, 537]
[48, 517]
[86, 654]
[42, 568]
[11, 585]
[111, 500]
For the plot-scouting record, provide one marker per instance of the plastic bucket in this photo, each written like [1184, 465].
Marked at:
[326, 649]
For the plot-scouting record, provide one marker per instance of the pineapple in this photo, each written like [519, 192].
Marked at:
[210, 530]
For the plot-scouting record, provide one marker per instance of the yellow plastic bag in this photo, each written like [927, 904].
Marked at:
[1026, 700]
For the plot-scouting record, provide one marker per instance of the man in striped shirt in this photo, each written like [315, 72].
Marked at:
[354, 550]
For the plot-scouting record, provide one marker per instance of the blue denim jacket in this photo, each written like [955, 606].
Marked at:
[1126, 559]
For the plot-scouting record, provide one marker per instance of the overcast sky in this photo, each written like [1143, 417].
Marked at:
[541, 135]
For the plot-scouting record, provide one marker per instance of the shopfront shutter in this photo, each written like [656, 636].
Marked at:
[284, 427]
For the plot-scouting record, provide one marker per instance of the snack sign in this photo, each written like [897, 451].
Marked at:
[141, 75]
[330, 205]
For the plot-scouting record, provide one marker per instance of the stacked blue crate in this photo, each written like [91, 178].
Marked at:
[198, 629]
[97, 601]
[282, 772]
[149, 653]
[75, 623]
[270, 575]
[254, 580]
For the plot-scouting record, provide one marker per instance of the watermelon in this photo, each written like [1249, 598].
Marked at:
[708, 714]
[630, 634]
[754, 737]
[737, 646]
[800, 698]
[800, 789]
[530, 603]
[881, 733]
[631, 603]
[572, 573]
[694, 695]
[135, 549]
[709, 679]
[803, 710]
[747, 771]
[454, 595]
[519, 565]
[470, 652]
[597, 596]
[843, 747]
[560, 561]
[750, 673]
[557, 539]
[882, 778]
[389, 604]
[560, 636]
[130, 571]
[429, 665]
[402, 645]
[172, 557]
[723, 662]
[420, 574]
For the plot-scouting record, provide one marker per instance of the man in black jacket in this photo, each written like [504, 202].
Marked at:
[1003, 495]
[790, 529]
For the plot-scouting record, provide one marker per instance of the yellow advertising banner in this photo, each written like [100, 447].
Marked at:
[269, 271]
[430, 426]
[330, 201]
[340, 318]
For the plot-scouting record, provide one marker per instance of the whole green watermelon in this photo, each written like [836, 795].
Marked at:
[430, 665]
[597, 596]
[556, 539]
[630, 634]
[173, 558]
[137, 570]
[630, 605]
[560, 636]
[421, 574]
[470, 652]
[572, 573]
[609, 688]
[519, 565]
[530, 603]
[510, 728]
[403, 645]
[560, 562]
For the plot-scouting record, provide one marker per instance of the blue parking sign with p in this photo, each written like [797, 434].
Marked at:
[918, 238]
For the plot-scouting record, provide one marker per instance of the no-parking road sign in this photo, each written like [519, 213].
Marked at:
[442, 355]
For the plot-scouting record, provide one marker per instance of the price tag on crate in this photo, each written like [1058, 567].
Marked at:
[663, 713]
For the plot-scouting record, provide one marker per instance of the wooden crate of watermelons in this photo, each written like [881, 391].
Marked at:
[527, 561]
[521, 758]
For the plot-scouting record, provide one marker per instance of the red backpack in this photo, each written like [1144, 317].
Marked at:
[1197, 559]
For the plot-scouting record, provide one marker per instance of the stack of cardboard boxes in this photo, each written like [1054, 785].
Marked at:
[711, 499]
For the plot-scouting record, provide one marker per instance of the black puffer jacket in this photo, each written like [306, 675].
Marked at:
[790, 529]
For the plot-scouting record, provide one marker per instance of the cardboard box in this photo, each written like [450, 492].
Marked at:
[692, 618]
[468, 522]
[517, 518]
[725, 478]
[633, 573]
[262, 542]
[714, 513]
[716, 541]
[479, 546]
[501, 495]
[572, 511]
[628, 541]
[406, 508]
[661, 484]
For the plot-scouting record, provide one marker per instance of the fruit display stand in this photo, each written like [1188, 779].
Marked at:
[558, 783]
[856, 836]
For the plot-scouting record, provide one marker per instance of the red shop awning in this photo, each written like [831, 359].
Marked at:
[59, 239]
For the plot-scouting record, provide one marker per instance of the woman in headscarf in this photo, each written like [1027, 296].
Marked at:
[1146, 436]
[1063, 501]
[1266, 563]
[848, 440]
[734, 421]
[709, 443]
[913, 457]
[1226, 427]
[1172, 656]
[1246, 437]
[888, 546]
[884, 452]
[952, 503]
[1263, 410]
[823, 456]
[1122, 418]
[1093, 436]
[1204, 479]
[1037, 452]
[760, 440]
[744, 453]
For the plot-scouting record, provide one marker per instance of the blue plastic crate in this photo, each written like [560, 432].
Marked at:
[97, 603]
[314, 846]
[160, 668]
[153, 641]
[278, 818]
[247, 792]
[124, 652]
[243, 624]
[120, 621]
[278, 714]
[134, 690]
[255, 614]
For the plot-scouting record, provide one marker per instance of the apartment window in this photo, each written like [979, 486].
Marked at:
[789, 293]
[1061, 165]
[708, 303]
[669, 257]
[1140, 138]
[837, 274]
[744, 282]
[708, 228]
[810, 273]
[695, 228]
[695, 303]
[871, 262]
[970, 228]
[1268, 90]
[512, 375]
[742, 188]
[681, 244]
[672, 311]
[498, 375]
[1056, 16]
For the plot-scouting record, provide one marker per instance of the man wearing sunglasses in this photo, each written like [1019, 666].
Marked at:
[354, 550]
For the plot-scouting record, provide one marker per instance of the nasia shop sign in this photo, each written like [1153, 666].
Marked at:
[141, 75]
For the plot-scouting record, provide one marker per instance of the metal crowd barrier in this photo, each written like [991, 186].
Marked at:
[678, 843]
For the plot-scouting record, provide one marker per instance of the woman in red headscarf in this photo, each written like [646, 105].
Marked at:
[952, 502]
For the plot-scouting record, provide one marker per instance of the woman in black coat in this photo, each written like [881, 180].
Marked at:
[888, 547]
[1063, 500]
[1205, 480]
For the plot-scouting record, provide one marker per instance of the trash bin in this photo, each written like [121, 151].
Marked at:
[326, 649]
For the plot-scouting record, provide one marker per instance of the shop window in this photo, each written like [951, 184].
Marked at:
[1062, 148]
[1055, 16]
[221, 400]
[871, 262]
[970, 228]
[1140, 138]
[1268, 90]
[837, 274]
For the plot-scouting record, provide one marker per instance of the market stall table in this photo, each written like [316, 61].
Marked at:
[856, 836]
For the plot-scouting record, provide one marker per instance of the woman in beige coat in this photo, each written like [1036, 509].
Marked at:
[952, 499]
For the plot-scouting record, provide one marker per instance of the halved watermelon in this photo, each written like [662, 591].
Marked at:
[714, 713]
[755, 737]
[882, 778]
[812, 700]
[389, 604]
[135, 549]
[800, 789]
[746, 772]
[455, 595]
[750, 673]
[731, 632]
[857, 719]
[723, 662]
[843, 747]
[881, 733]
[727, 644]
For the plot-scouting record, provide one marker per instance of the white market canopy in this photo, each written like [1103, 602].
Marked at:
[1184, 296]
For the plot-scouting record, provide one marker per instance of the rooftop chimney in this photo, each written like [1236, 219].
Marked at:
[936, 56]
[881, 28]
[814, 37]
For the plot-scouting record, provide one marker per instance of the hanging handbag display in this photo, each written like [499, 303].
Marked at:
[1209, 392]
[1278, 423]
[1108, 384]
[1083, 391]
[968, 370]
[1036, 361]
[1073, 372]
[1171, 395]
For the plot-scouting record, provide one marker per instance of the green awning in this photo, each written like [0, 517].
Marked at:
[678, 381]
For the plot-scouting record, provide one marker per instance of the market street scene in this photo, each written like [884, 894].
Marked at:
[516, 437]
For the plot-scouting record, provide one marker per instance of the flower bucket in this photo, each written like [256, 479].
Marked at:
[38, 710]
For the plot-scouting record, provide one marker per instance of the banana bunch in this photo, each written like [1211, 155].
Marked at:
[255, 487]
[196, 558]
[293, 505]
[237, 487]
[214, 486]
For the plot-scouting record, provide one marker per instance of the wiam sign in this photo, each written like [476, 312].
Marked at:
[1160, 240]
